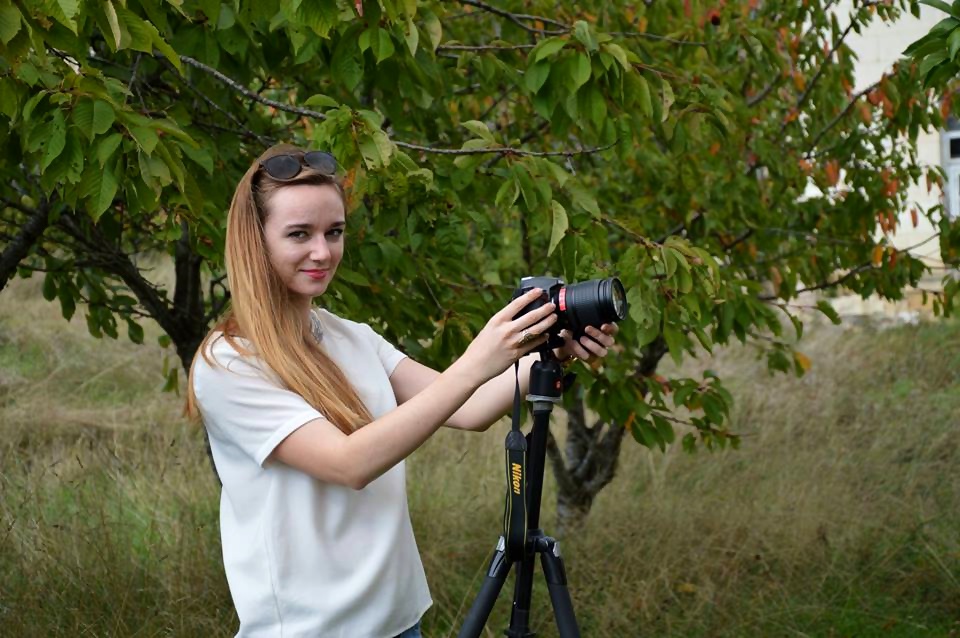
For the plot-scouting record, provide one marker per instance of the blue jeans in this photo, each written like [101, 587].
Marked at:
[413, 632]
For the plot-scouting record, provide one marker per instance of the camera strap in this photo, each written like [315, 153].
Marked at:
[515, 508]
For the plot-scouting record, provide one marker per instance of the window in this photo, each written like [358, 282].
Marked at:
[950, 161]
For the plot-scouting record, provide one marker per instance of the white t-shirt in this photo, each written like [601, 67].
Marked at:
[304, 557]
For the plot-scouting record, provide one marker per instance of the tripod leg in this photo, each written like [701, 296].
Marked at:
[480, 610]
[556, 577]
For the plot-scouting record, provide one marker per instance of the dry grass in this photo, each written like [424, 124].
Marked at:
[837, 517]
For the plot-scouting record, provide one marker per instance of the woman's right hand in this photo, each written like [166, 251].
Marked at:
[499, 345]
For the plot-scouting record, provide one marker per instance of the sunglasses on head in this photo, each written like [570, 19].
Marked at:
[289, 165]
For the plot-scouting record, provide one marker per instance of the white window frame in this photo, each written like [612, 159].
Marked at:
[951, 166]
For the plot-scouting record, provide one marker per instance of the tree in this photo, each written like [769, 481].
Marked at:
[712, 153]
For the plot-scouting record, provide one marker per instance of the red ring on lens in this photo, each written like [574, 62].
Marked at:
[563, 299]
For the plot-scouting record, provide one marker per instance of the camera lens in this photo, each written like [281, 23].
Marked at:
[619, 298]
[593, 303]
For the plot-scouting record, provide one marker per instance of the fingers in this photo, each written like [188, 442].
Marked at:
[594, 343]
[535, 318]
[511, 309]
[547, 319]
[603, 336]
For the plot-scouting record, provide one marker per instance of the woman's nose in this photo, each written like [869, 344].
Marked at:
[319, 251]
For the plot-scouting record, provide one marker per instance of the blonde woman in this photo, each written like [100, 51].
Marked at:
[310, 417]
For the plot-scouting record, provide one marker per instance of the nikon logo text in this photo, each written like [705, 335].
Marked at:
[517, 473]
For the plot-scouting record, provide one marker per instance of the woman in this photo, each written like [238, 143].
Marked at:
[310, 417]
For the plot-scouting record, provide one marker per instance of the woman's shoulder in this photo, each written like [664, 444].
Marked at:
[330, 322]
[220, 352]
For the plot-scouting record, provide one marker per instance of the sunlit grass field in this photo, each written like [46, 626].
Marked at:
[839, 515]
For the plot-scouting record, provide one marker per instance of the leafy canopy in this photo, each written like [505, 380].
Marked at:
[711, 153]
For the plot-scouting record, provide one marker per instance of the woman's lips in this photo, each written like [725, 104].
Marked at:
[316, 274]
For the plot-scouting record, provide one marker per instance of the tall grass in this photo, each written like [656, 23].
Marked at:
[837, 517]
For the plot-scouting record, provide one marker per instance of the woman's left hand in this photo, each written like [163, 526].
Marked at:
[592, 346]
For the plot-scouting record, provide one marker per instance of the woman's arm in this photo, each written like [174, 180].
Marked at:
[487, 404]
[494, 398]
[321, 450]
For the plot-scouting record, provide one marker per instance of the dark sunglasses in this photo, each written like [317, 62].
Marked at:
[288, 166]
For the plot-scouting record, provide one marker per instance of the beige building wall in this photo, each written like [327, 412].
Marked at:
[877, 48]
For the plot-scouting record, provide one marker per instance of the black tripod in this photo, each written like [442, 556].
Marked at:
[522, 542]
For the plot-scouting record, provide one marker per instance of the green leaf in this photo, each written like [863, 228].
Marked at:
[954, 42]
[383, 48]
[68, 304]
[352, 277]
[675, 343]
[643, 96]
[146, 138]
[98, 186]
[824, 306]
[939, 4]
[107, 146]
[321, 101]
[55, 142]
[583, 33]
[199, 155]
[547, 48]
[134, 331]
[667, 100]
[82, 117]
[434, 29]
[664, 428]
[49, 287]
[192, 192]
[527, 187]
[173, 381]
[346, 66]
[617, 51]
[931, 61]
[9, 22]
[585, 200]
[507, 193]
[536, 76]
[479, 129]
[102, 117]
[92, 117]
[560, 225]
[412, 37]
[579, 71]
[121, 37]
[644, 433]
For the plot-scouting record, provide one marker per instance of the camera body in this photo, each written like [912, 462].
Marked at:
[588, 303]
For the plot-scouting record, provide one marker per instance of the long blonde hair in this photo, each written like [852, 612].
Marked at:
[262, 310]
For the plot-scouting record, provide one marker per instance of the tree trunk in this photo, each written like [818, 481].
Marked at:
[589, 460]
[587, 465]
[20, 246]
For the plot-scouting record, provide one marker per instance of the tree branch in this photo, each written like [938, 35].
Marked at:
[484, 47]
[236, 86]
[841, 115]
[25, 239]
[245, 131]
[850, 274]
[654, 36]
[767, 90]
[518, 18]
[504, 150]
[816, 76]
[414, 147]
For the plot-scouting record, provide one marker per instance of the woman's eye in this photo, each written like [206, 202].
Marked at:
[336, 232]
[298, 234]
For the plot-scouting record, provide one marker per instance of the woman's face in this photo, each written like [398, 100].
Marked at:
[303, 232]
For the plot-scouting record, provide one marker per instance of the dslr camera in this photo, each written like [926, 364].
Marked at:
[588, 303]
